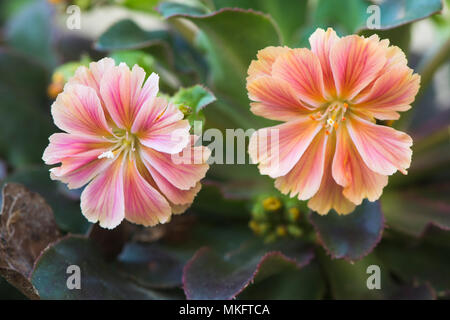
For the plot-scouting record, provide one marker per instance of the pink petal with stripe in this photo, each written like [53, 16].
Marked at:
[103, 199]
[263, 65]
[78, 110]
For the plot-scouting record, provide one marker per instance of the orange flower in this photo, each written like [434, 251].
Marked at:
[330, 150]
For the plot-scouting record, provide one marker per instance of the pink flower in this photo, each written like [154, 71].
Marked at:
[120, 140]
[331, 150]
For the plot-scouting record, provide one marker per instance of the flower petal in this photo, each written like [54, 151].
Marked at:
[143, 204]
[355, 62]
[301, 69]
[263, 65]
[383, 149]
[159, 126]
[321, 42]
[103, 199]
[330, 194]
[350, 171]
[277, 149]
[304, 179]
[63, 145]
[183, 170]
[92, 76]
[278, 101]
[78, 110]
[392, 92]
[124, 95]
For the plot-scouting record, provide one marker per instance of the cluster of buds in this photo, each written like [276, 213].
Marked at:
[275, 217]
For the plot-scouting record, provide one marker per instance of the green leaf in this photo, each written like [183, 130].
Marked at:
[126, 34]
[67, 211]
[36, 40]
[290, 16]
[209, 275]
[413, 210]
[24, 127]
[304, 284]
[132, 57]
[231, 38]
[351, 236]
[195, 98]
[99, 280]
[396, 13]
[349, 280]
[141, 5]
[418, 262]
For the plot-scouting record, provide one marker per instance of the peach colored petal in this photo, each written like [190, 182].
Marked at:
[392, 92]
[330, 194]
[321, 42]
[277, 149]
[278, 101]
[304, 179]
[383, 149]
[301, 69]
[263, 65]
[78, 110]
[355, 62]
[124, 92]
[350, 171]
[143, 203]
[103, 199]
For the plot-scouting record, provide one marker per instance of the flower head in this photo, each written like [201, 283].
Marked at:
[121, 140]
[330, 149]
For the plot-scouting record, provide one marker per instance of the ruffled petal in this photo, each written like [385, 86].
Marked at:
[78, 110]
[304, 179]
[301, 69]
[350, 171]
[277, 100]
[392, 92]
[92, 76]
[321, 42]
[159, 126]
[355, 62]
[263, 65]
[330, 194]
[277, 149]
[124, 94]
[143, 203]
[64, 145]
[183, 170]
[383, 149]
[103, 199]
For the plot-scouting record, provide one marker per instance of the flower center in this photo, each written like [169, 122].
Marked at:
[124, 141]
[331, 116]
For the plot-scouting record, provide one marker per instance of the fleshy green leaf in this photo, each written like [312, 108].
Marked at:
[350, 236]
[126, 34]
[231, 37]
[209, 275]
[132, 57]
[35, 41]
[192, 100]
[413, 210]
[99, 280]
